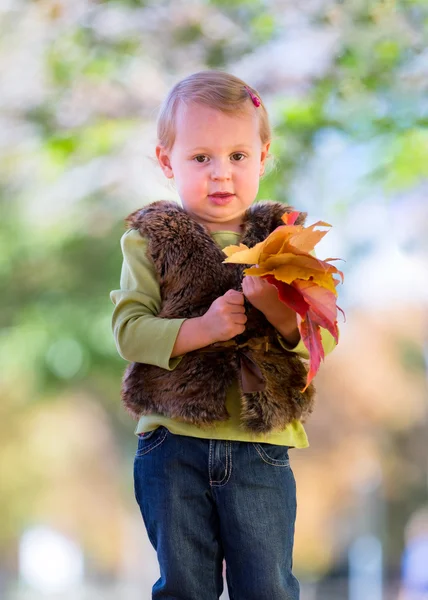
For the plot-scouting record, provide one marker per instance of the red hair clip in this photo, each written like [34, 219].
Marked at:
[254, 98]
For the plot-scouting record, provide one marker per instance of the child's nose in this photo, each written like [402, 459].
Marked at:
[221, 170]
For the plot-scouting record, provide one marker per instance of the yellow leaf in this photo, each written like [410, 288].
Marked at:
[320, 224]
[275, 240]
[301, 260]
[243, 255]
[289, 273]
[257, 271]
[326, 281]
[307, 239]
[230, 250]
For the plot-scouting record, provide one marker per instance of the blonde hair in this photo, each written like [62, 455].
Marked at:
[215, 89]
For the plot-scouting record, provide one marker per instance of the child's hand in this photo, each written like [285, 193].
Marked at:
[264, 296]
[226, 317]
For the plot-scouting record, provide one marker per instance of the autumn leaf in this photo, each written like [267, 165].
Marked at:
[289, 218]
[305, 283]
[289, 295]
[322, 302]
[311, 336]
[309, 237]
[242, 254]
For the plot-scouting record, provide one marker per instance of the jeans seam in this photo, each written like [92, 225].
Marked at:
[225, 468]
[279, 463]
[209, 460]
[228, 471]
[152, 446]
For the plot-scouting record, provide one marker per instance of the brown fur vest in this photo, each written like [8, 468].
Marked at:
[191, 276]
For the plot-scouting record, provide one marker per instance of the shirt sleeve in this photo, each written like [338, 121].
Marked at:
[140, 335]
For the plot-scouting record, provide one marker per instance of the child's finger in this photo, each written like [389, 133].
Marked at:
[238, 309]
[234, 297]
[248, 284]
[263, 284]
[240, 319]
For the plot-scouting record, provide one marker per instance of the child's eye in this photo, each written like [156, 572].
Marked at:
[238, 156]
[201, 158]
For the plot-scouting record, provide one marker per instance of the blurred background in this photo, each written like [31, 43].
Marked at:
[346, 85]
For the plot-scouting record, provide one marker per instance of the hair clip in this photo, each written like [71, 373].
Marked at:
[254, 98]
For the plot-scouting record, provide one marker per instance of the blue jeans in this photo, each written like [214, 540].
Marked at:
[205, 500]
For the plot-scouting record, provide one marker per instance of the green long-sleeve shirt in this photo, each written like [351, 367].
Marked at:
[141, 336]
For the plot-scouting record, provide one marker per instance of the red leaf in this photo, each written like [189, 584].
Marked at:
[322, 303]
[291, 217]
[320, 320]
[289, 295]
[311, 337]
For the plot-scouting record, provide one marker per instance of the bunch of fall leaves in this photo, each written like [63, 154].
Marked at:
[305, 283]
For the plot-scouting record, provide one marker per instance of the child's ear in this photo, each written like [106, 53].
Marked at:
[164, 161]
[263, 156]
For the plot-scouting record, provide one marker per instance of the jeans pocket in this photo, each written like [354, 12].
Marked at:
[150, 440]
[273, 454]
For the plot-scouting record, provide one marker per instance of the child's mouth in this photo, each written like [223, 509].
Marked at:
[221, 199]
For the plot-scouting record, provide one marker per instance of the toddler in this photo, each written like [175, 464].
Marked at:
[216, 371]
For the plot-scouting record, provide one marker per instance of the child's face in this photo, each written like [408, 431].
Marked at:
[215, 153]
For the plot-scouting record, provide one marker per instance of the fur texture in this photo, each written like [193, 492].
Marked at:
[191, 276]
